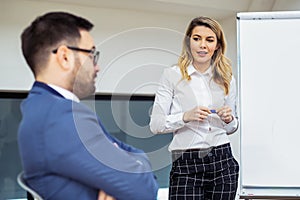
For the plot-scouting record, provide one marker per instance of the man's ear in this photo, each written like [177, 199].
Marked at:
[64, 57]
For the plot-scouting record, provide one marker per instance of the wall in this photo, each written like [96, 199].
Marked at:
[291, 5]
[134, 45]
[152, 39]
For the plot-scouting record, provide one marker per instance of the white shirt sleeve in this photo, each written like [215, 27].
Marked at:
[162, 121]
[231, 102]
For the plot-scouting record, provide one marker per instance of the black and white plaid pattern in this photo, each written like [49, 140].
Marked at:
[209, 174]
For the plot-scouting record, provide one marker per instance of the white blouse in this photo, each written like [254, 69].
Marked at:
[175, 96]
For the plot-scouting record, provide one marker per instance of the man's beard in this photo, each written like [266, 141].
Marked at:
[82, 87]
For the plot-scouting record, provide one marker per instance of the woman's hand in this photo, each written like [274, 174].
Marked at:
[198, 113]
[225, 114]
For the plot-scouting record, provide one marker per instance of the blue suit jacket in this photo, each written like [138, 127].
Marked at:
[67, 154]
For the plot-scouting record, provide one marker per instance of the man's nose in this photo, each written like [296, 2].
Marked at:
[97, 68]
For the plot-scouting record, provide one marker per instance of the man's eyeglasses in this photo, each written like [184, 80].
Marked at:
[92, 51]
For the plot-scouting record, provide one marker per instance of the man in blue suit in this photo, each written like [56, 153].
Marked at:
[66, 153]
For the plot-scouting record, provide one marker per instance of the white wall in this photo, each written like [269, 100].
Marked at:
[290, 5]
[135, 46]
[229, 27]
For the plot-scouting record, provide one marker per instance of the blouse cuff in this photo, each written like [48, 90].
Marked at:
[175, 121]
[232, 126]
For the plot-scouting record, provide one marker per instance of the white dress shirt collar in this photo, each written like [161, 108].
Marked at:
[191, 69]
[65, 93]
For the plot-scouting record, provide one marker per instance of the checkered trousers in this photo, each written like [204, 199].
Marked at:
[206, 174]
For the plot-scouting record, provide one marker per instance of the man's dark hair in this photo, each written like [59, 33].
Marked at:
[47, 32]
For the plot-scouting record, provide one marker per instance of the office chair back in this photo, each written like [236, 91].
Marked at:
[23, 184]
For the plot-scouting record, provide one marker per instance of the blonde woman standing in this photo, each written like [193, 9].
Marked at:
[196, 100]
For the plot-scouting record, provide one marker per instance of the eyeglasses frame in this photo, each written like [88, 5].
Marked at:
[92, 51]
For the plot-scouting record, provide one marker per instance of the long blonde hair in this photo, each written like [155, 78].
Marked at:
[221, 66]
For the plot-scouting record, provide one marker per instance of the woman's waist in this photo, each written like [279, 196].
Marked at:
[197, 140]
[195, 153]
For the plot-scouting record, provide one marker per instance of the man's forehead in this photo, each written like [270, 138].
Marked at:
[86, 38]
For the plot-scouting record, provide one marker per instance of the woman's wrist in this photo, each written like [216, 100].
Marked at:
[228, 121]
[184, 118]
